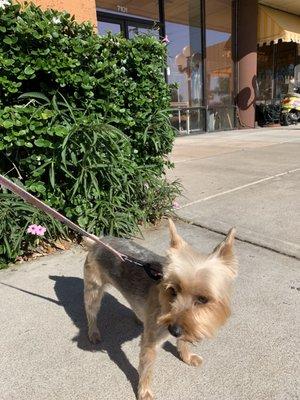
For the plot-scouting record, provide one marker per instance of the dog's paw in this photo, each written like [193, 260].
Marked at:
[195, 360]
[94, 337]
[146, 395]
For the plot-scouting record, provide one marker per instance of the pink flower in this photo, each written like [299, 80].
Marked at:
[37, 230]
[31, 229]
[176, 205]
[40, 230]
[166, 40]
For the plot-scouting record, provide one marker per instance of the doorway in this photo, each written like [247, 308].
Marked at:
[201, 54]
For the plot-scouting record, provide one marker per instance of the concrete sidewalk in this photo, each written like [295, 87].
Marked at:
[45, 354]
[44, 350]
[249, 179]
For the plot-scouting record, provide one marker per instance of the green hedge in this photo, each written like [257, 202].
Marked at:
[92, 133]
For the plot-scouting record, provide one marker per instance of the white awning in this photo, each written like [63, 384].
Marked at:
[274, 25]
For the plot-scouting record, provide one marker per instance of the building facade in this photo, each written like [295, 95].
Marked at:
[224, 56]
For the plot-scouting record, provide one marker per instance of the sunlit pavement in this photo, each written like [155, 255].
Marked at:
[247, 179]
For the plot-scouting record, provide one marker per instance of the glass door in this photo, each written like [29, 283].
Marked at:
[183, 27]
[201, 39]
[219, 65]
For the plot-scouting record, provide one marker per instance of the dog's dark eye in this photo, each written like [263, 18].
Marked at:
[201, 300]
[173, 292]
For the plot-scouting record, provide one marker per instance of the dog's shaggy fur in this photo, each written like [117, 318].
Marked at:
[190, 302]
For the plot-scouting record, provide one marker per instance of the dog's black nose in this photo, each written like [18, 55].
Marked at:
[175, 330]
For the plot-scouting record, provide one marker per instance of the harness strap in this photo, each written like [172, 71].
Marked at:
[153, 273]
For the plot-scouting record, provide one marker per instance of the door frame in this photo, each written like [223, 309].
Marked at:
[125, 21]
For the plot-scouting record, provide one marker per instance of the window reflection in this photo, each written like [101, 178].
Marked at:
[191, 111]
[183, 28]
[140, 30]
[265, 73]
[219, 65]
[218, 52]
[221, 118]
[105, 27]
[188, 120]
[275, 71]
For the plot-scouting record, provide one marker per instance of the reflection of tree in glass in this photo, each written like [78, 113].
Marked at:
[223, 86]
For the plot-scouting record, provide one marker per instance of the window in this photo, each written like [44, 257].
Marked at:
[275, 71]
[265, 73]
[219, 65]
[183, 28]
[200, 54]
[284, 68]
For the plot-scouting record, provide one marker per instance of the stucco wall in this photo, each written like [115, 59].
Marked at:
[84, 10]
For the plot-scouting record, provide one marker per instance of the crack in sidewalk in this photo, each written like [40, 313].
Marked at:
[239, 239]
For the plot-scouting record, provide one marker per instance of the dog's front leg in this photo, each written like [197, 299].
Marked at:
[147, 358]
[186, 355]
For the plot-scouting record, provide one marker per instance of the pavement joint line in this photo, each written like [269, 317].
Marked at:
[237, 238]
[192, 159]
[268, 178]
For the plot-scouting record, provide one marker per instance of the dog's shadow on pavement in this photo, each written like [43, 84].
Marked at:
[116, 323]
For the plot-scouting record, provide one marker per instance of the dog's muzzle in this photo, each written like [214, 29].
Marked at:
[175, 330]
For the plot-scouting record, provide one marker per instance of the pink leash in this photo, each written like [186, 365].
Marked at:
[29, 198]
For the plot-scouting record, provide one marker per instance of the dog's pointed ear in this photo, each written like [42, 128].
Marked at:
[176, 241]
[224, 251]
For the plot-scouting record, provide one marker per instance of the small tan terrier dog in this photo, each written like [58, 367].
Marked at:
[190, 302]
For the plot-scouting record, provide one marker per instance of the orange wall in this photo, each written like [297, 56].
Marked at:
[84, 10]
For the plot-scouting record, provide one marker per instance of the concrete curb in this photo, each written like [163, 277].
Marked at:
[245, 235]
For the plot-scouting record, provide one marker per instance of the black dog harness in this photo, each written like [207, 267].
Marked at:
[153, 270]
